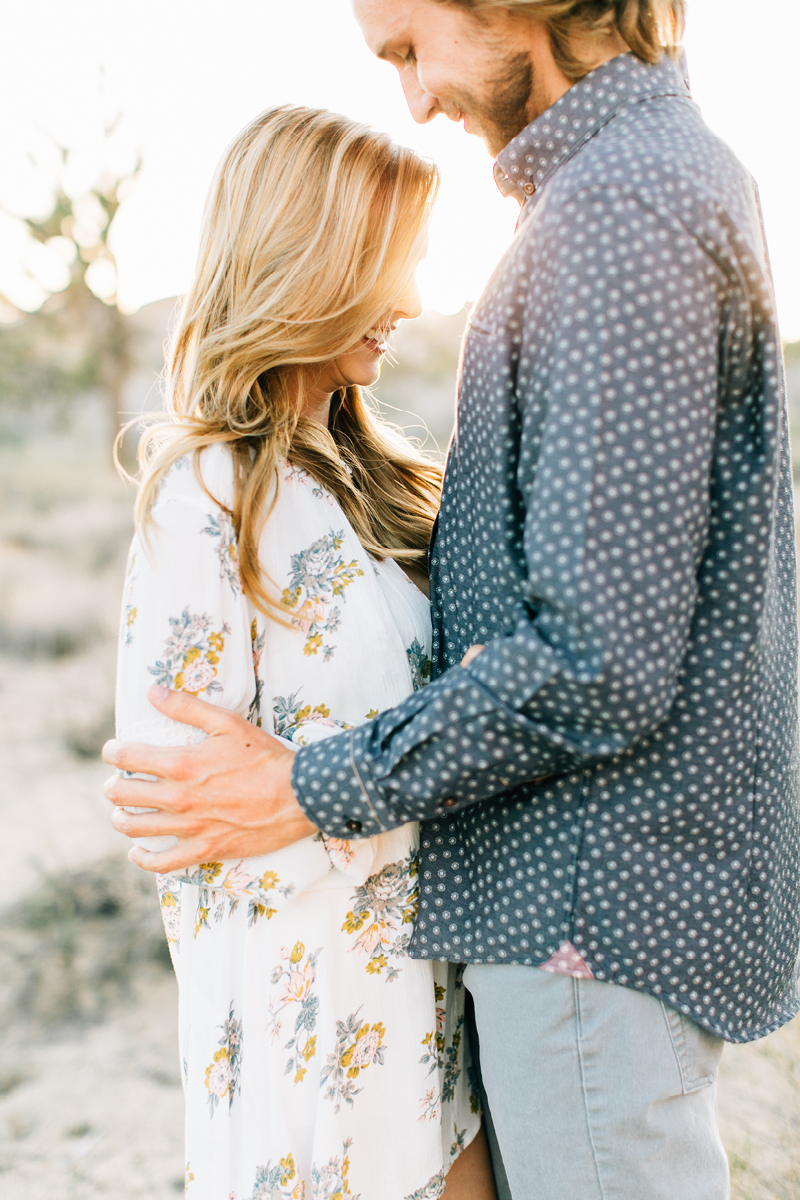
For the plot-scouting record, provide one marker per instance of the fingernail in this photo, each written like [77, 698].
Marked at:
[158, 692]
[110, 752]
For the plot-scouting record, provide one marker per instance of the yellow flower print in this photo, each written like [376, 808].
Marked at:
[297, 978]
[288, 1169]
[313, 643]
[372, 714]
[282, 1182]
[131, 615]
[218, 1073]
[170, 913]
[209, 871]
[191, 655]
[202, 920]
[222, 1073]
[331, 1180]
[268, 881]
[318, 577]
[260, 910]
[353, 922]
[385, 903]
[358, 1046]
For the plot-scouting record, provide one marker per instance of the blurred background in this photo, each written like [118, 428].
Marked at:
[114, 118]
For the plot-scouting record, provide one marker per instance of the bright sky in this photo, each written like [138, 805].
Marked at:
[188, 74]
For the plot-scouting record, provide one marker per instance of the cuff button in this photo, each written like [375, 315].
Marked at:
[354, 826]
[450, 802]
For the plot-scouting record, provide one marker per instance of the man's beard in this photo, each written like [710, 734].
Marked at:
[507, 108]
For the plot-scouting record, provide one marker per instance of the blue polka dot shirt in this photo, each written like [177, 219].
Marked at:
[619, 767]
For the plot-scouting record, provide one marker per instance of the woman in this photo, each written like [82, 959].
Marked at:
[279, 524]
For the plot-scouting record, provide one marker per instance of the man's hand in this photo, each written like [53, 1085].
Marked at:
[228, 797]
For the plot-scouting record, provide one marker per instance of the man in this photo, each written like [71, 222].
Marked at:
[609, 788]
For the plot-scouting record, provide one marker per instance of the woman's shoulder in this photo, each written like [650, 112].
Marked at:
[202, 477]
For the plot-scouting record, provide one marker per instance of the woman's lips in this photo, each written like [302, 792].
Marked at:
[376, 341]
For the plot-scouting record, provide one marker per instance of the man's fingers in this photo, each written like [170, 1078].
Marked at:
[142, 793]
[152, 824]
[185, 854]
[188, 710]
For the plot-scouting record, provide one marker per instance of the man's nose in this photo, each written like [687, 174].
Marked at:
[422, 106]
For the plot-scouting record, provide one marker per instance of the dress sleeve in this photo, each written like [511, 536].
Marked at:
[185, 623]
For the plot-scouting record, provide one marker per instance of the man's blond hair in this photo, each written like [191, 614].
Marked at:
[648, 27]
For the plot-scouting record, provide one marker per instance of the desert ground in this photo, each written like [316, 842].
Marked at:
[90, 1096]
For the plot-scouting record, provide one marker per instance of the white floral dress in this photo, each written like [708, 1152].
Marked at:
[319, 1060]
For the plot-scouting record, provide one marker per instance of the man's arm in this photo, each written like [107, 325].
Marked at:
[624, 360]
[623, 357]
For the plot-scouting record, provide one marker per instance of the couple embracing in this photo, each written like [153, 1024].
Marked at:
[465, 896]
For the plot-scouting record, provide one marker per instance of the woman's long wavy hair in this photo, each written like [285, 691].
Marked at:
[648, 27]
[313, 228]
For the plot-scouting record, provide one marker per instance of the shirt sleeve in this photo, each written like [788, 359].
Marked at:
[614, 482]
[185, 623]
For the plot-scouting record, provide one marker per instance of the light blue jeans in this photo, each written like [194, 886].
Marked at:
[596, 1092]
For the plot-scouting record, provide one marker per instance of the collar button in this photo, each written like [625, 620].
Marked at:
[528, 189]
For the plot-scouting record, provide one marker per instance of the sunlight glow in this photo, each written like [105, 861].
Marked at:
[187, 74]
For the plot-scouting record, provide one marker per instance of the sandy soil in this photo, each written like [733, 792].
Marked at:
[97, 1112]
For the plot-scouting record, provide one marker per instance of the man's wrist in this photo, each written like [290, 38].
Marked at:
[333, 784]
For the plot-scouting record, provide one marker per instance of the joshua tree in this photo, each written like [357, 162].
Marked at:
[78, 338]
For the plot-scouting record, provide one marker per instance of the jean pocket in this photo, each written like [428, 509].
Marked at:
[697, 1052]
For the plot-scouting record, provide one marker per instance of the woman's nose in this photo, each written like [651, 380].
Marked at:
[409, 306]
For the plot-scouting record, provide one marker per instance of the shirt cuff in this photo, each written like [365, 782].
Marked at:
[333, 783]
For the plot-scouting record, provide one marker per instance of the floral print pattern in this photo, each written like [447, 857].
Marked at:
[382, 916]
[224, 892]
[420, 663]
[433, 1189]
[191, 655]
[221, 527]
[318, 576]
[297, 980]
[170, 899]
[222, 1073]
[278, 1183]
[331, 1182]
[294, 474]
[129, 610]
[298, 722]
[358, 1046]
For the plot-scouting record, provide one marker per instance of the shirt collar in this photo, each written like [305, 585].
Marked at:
[533, 155]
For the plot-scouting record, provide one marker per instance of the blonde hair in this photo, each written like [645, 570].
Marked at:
[648, 27]
[313, 228]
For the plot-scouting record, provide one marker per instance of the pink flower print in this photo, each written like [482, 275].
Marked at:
[298, 982]
[238, 879]
[441, 1017]
[341, 852]
[197, 675]
[375, 935]
[430, 1107]
[311, 612]
[218, 1074]
[365, 1049]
